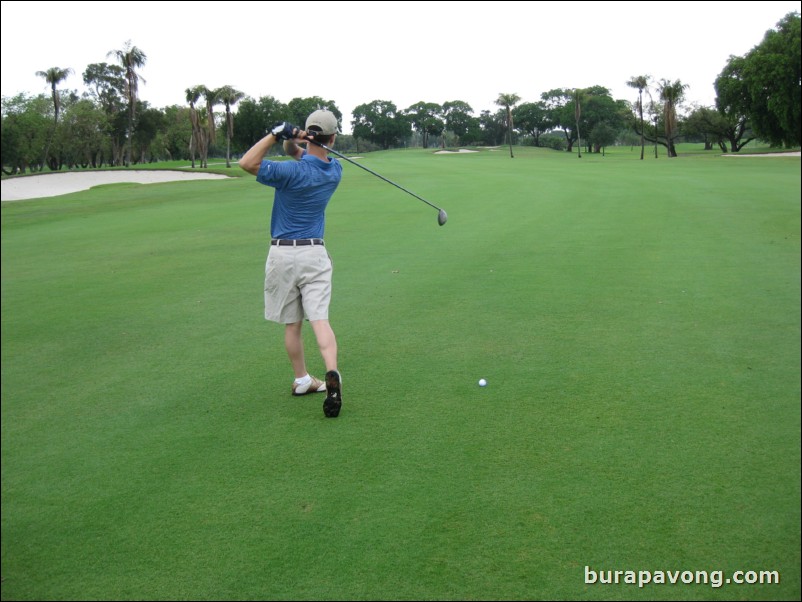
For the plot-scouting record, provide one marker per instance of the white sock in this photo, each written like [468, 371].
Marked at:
[304, 380]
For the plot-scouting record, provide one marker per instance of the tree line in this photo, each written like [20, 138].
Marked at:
[758, 97]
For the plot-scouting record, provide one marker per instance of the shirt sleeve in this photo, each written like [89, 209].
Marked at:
[276, 173]
[271, 173]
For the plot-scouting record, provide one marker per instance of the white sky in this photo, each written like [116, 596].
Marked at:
[403, 52]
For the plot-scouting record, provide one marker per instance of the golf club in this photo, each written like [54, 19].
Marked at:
[442, 216]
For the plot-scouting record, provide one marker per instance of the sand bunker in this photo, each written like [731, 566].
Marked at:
[791, 154]
[56, 184]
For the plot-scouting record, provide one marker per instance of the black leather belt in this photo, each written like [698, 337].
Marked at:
[300, 242]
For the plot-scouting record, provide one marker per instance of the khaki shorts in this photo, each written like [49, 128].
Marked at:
[297, 284]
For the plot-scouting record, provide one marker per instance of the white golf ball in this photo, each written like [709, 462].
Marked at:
[482, 382]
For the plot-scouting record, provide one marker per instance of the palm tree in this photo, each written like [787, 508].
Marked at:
[200, 133]
[193, 95]
[130, 59]
[640, 83]
[672, 94]
[508, 101]
[229, 96]
[211, 100]
[579, 97]
[54, 76]
[654, 111]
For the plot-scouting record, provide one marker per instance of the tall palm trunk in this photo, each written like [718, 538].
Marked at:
[192, 147]
[508, 101]
[640, 110]
[53, 76]
[229, 134]
[640, 83]
[130, 58]
[509, 129]
[51, 133]
[577, 115]
[672, 95]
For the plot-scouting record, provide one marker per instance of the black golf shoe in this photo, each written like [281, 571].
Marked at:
[334, 399]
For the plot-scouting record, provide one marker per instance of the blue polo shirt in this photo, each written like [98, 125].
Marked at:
[303, 190]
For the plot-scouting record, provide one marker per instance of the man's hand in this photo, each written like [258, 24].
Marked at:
[284, 131]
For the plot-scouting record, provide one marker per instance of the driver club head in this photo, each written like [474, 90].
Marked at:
[442, 217]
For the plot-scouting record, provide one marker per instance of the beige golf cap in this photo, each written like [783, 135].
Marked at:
[323, 120]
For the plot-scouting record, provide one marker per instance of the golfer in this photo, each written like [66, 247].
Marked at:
[298, 268]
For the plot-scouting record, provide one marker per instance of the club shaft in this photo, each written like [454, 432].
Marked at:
[331, 150]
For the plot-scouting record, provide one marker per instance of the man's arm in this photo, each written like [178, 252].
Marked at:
[291, 148]
[252, 160]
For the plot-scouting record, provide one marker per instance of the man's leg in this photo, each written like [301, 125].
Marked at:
[326, 342]
[304, 382]
[293, 341]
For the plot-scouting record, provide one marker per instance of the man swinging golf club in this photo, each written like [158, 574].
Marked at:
[298, 269]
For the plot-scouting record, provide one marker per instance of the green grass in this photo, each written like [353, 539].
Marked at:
[638, 324]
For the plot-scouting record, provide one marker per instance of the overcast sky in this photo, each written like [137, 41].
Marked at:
[403, 52]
